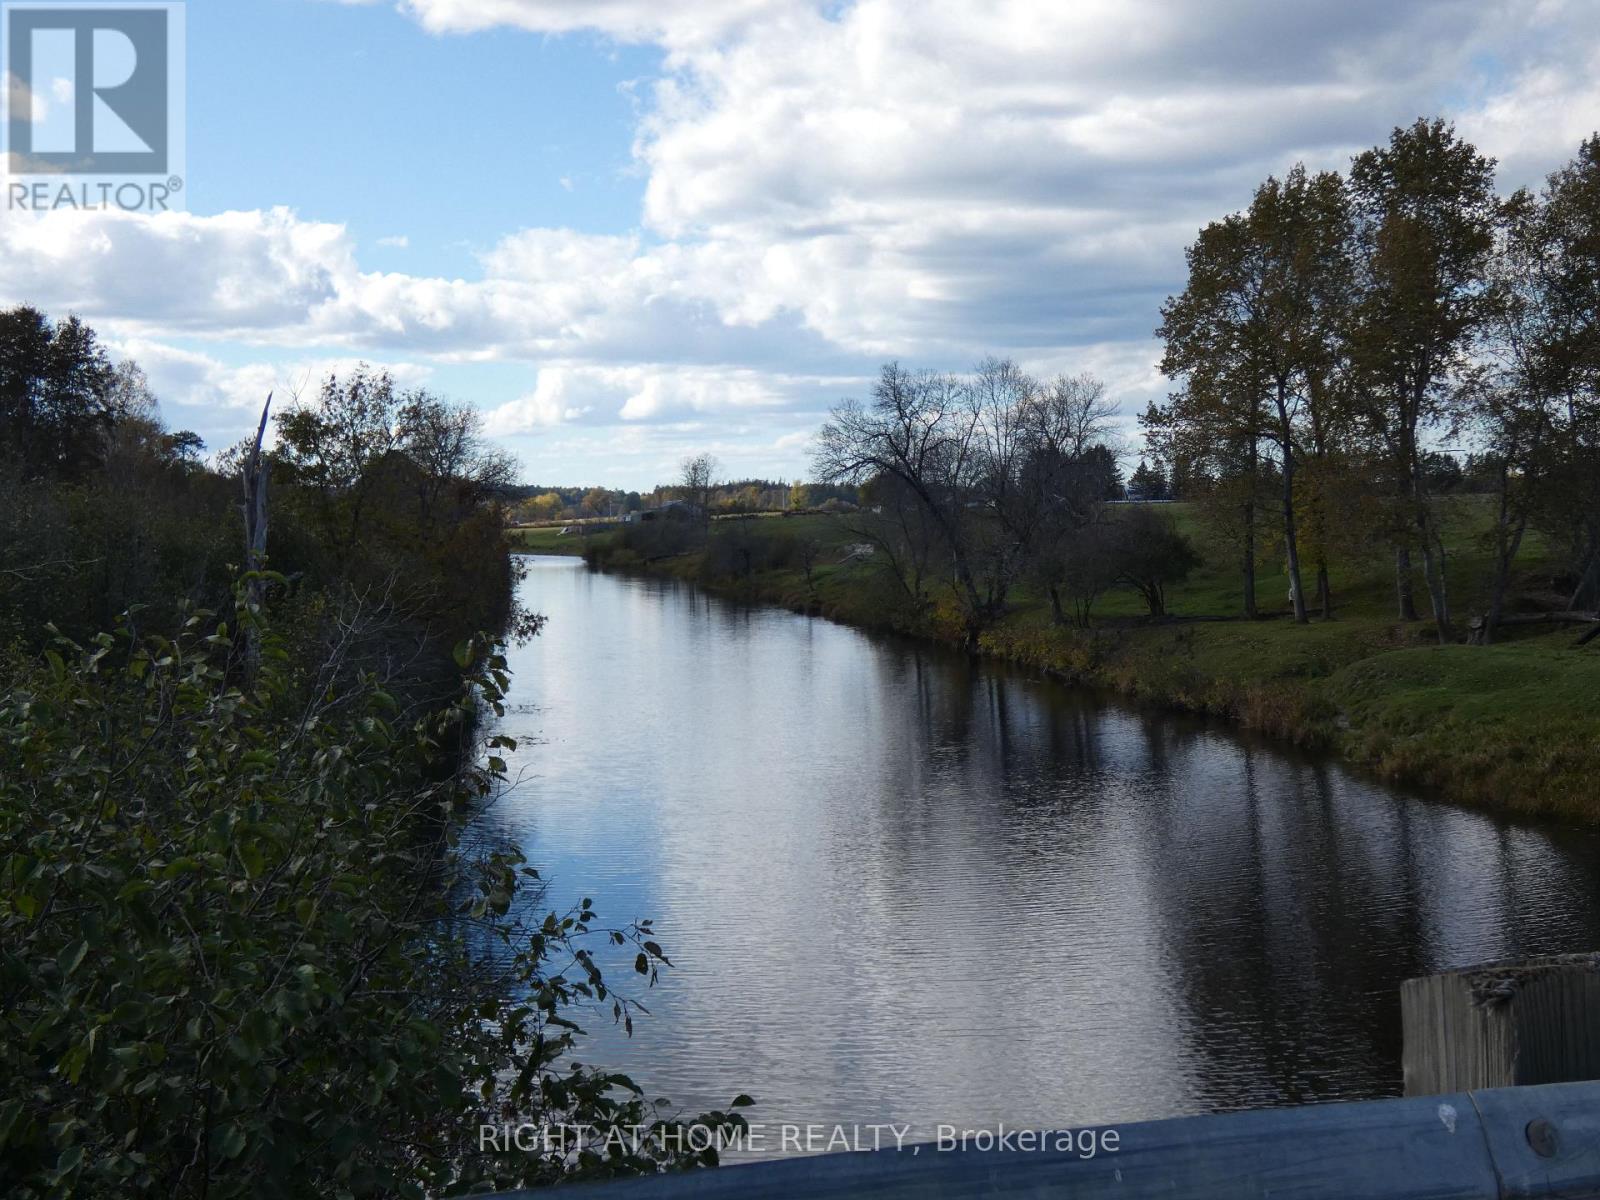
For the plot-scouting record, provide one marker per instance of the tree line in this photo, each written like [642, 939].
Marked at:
[1342, 336]
[382, 498]
[535, 504]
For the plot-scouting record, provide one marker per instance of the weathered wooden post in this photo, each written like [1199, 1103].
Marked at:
[1502, 1025]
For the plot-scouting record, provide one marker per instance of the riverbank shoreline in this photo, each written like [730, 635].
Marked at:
[1513, 728]
[749, 774]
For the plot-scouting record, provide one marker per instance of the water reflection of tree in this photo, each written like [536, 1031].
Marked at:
[1296, 899]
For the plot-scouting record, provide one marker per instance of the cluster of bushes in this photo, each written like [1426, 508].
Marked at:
[725, 551]
[646, 541]
[101, 508]
[232, 962]
[739, 549]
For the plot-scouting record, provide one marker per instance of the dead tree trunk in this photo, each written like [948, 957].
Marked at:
[1291, 539]
[1249, 564]
[1433, 570]
[255, 542]
[1402, 584]
[1588, 579]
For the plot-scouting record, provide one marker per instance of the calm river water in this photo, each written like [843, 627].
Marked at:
[901, 886]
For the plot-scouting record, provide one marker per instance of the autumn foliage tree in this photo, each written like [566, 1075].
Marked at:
[1255, 331]
[1425, 218]
[1333, 334]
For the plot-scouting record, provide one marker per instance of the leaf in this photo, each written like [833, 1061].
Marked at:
[72, 1062]
[72, 957]
[229, 1141]
[252, 858]
[68, 1162]
[9, 1112]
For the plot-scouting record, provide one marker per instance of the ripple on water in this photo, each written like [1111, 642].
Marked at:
[897, 885]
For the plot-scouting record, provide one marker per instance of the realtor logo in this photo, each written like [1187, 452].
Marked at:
[94, 90]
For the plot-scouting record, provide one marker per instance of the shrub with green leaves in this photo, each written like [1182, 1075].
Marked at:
[241, 953]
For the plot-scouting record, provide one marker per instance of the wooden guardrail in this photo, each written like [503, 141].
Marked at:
[1522, 1142]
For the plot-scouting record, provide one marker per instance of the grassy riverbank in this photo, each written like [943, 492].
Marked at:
[1514, 726]
[546, 539]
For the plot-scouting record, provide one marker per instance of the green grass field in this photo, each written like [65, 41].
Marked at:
[545, 540]
[1514, 725]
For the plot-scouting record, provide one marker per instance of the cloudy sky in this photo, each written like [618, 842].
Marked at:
[631, 229]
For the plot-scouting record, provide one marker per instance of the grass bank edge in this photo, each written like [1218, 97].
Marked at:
[1513, 727]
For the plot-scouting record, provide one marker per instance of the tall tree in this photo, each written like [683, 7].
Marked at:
[921, 428]
[1148, 483]
[58, 395]
[697, 480]
[334, 448]
[1516, 383]
[1256, 327]
[1570, 352]
[1006, 405]
[1425, 211]
[450, 458]
[1333, 475]
[998, 468]
[1069, 472]
[903, 534]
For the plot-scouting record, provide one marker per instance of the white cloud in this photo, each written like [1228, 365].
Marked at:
[552, 402]
[830, 185]
[673, 24]
[397, 241]
[919, 178]
[1537, 123]
[653, 393]
[254, 274]
[194, 380]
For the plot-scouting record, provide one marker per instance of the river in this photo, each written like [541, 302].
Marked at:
[901, 886]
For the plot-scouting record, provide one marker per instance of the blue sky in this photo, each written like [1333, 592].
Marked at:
[356, 114]
[628, 231]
